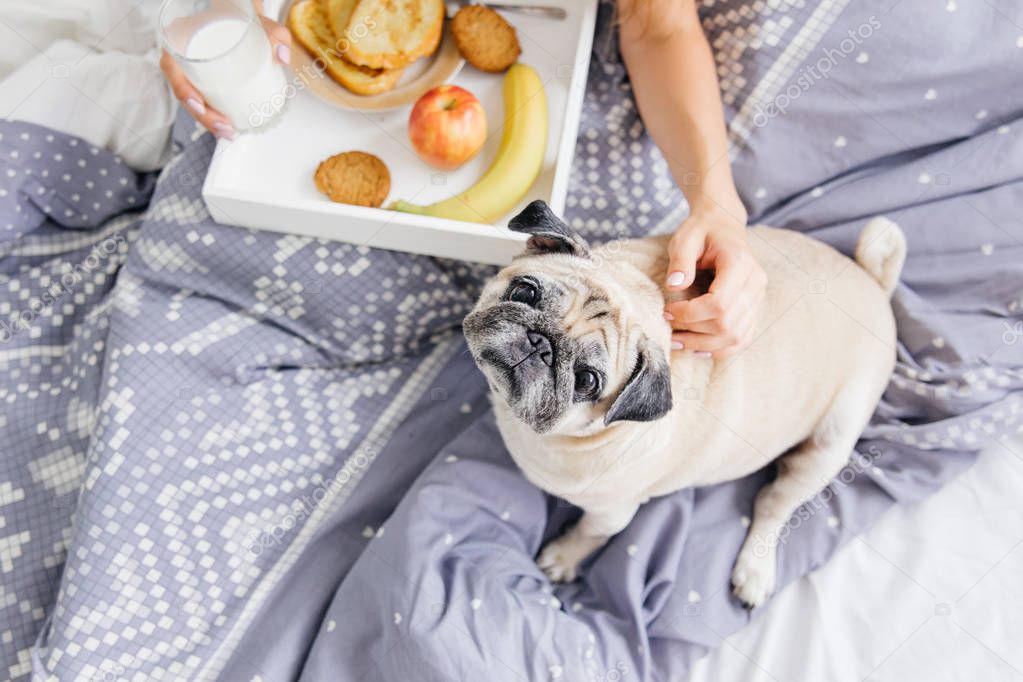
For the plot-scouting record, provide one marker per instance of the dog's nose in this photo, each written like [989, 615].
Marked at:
[541, 345]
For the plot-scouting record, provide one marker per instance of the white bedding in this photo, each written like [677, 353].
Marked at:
[88, 69]
[933, 592]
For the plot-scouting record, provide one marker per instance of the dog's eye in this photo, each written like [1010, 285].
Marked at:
[524, 291]
[587, 383]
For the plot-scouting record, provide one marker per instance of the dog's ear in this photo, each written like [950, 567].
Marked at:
[547, 232]
[647, 394]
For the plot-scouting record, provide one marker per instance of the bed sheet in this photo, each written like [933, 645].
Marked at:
[89, 70]
[931, 592]
[192, 333]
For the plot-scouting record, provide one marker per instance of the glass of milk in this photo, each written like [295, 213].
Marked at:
[222, 48]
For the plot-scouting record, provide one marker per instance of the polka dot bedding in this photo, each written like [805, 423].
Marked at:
[241, 455]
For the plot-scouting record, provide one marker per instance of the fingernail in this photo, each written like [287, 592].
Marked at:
[676, 279]
[668, 316]
[196, 106]
[703, 353]
[223, 130]
[283, 54]
[677, 345]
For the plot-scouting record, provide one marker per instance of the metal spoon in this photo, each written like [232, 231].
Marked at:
[532, 10]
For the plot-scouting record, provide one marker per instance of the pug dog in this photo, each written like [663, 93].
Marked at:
[596, 409]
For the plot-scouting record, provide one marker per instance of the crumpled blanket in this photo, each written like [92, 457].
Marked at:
[241, 455]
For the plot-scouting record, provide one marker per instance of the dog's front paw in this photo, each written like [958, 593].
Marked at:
[560, 560]
[754, 575]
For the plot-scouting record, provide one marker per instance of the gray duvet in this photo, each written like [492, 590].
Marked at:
[239, 455]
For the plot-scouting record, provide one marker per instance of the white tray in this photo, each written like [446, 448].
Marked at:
[264, 180]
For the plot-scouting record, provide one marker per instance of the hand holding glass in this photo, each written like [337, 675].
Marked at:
[222, 48]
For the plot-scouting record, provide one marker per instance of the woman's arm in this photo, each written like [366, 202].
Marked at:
[675, 84]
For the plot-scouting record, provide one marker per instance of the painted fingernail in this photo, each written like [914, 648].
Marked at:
[703, 353]
[283, 54]
[676, 279]
[223, 130]
[668, 316]
[196, 106]
[677, 345]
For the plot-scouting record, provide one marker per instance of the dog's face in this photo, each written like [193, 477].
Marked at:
[571, 344]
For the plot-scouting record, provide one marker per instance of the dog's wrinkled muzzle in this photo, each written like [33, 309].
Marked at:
[523, 357]
[541, 347]
[525, 351]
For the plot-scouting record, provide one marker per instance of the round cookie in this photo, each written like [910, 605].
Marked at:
[355, 178]
[485, 39]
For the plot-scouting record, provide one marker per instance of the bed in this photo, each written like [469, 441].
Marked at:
[242, 455]
[926, 594]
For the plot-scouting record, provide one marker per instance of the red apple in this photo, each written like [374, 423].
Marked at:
[447, 126]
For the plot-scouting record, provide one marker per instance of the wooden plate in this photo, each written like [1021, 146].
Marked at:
[420, 76]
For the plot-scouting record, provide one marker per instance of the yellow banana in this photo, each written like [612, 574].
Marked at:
[518, 162]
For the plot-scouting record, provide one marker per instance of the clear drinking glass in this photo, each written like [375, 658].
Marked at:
[222, 48]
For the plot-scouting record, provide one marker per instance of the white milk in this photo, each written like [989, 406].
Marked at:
[243, 82]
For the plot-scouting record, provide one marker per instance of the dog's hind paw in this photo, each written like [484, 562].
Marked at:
[559, 561]
[754, 575]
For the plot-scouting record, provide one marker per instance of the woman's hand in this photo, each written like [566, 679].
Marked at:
[214, 121]
[722, 321]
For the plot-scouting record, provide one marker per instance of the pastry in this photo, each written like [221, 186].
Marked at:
[357, 178]
[485, 39]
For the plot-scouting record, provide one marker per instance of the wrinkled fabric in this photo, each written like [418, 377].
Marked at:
[235, 454]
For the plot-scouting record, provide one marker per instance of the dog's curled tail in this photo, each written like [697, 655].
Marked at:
[881, 251]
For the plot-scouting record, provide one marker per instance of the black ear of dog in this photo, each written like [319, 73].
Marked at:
[647, 394]
[547, 232]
